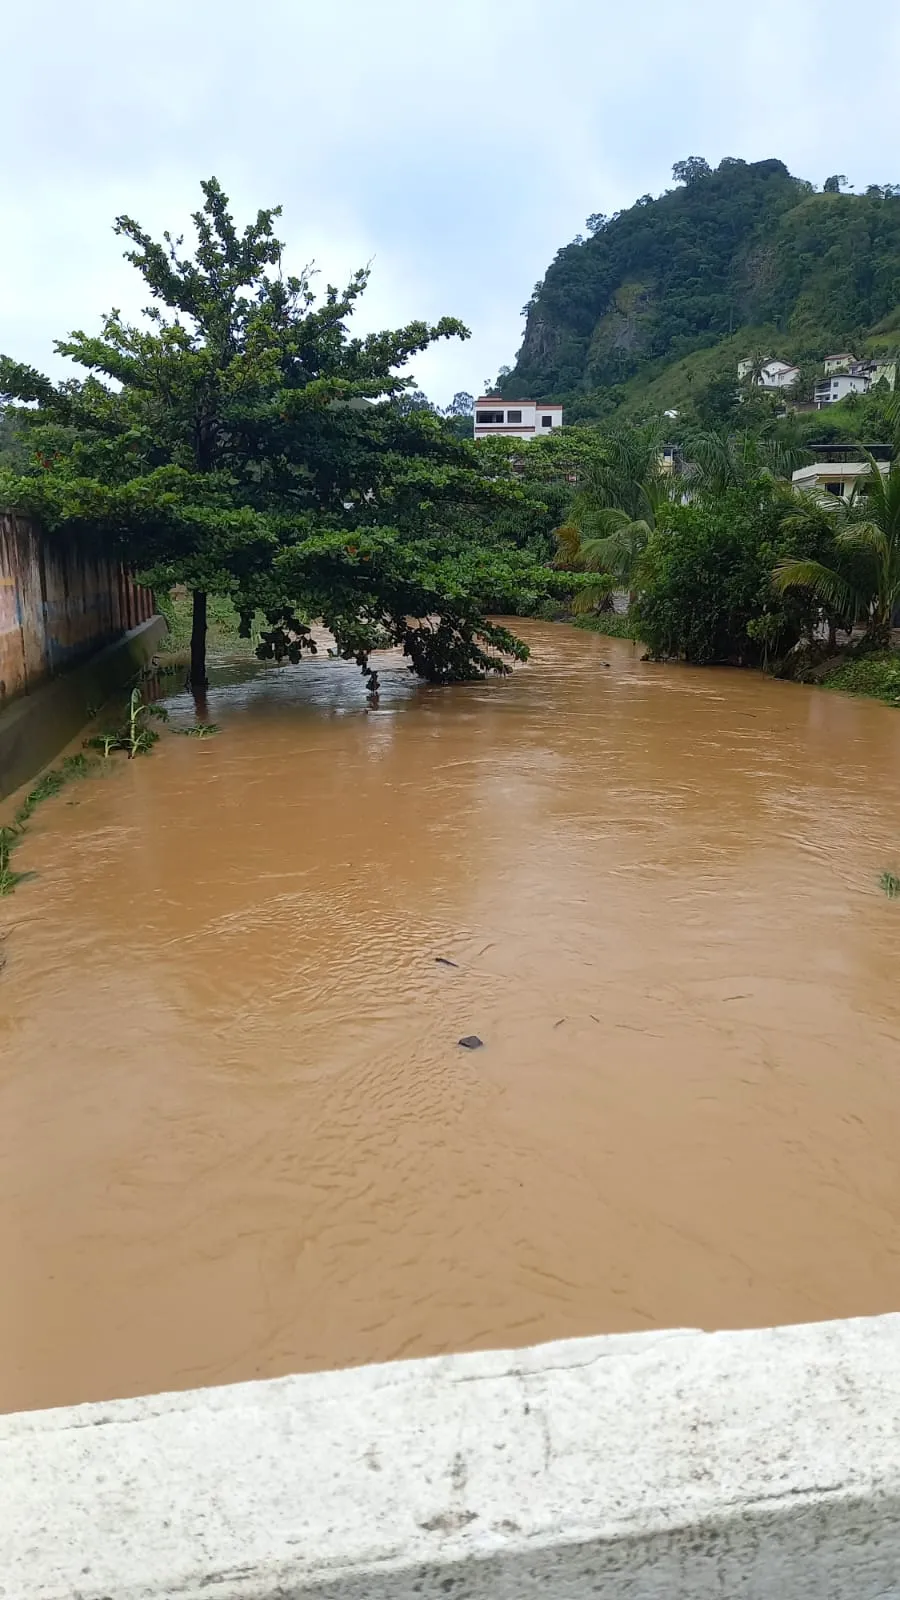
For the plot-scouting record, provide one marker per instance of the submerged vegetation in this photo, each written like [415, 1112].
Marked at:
[263, 468]
[875, 675]
[135, 736]
[241, 443]
[611, 624]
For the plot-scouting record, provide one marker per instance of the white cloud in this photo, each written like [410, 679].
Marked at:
[456, 146]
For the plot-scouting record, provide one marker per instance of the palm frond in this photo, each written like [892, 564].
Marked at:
[568, 545]
[826, 585]
[866, 536]
[617, 552]
[871, 486]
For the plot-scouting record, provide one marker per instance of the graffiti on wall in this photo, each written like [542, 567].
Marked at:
[59, 602]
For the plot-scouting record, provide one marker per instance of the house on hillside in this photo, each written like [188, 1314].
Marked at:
[838, 385]
[515, 419]
[839, 363]
[776, 374]
[837, 468]
[853, 377]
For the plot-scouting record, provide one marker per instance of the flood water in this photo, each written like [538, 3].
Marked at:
[238, 1137]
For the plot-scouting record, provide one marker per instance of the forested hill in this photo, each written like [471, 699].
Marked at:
[743, 247]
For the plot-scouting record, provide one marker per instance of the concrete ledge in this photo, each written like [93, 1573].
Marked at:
[36, 726]
[669, 1466]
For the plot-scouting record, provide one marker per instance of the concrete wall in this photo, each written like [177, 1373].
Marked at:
[36, 726]
[659, 1466]
[59, 602]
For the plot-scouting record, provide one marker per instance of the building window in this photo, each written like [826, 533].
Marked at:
[834, 488]
[489, 416]
[514, 416]
[546, 422]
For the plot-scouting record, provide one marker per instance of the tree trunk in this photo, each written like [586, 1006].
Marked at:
[198, 678]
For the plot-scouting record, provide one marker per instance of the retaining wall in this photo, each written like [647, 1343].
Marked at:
[36, 726]
[59, 602]
[660, 1466]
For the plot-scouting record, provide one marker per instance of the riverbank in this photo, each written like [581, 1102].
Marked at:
[610, 624]
[873, 677]
[876, 677]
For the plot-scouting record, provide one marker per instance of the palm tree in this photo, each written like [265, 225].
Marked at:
[614, 513]
[755, 370]
[723, 460]
[867, 528]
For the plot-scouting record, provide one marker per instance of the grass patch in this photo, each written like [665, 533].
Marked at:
[876, 676]
[222, 624]
[610, 623]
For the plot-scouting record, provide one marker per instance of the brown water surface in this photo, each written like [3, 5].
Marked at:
[237, 1135]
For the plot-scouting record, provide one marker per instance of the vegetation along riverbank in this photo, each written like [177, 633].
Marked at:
[263, 469]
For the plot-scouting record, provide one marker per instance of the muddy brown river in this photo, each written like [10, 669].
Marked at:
[238, 1137]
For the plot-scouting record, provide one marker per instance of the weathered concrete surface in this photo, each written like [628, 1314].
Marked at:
[670, 1466]
[36, 726]
[60, 601]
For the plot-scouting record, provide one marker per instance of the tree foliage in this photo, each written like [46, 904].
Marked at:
[705, 580]
[621, 492]
[241, 441]
[743, 246]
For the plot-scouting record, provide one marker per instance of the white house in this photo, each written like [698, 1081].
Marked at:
[775, 374]
[833, 477]
[838, 385]
[840, 362]
[515, 419]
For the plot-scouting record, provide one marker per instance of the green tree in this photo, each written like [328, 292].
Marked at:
[718, 403]
[14, 453]
[614, 512]
[723, 460]
[462, 404]
[755, 372]
[705, 591]
[242, 442]
[690, 170]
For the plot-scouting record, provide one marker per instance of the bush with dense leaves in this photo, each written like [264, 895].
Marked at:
[706, 582]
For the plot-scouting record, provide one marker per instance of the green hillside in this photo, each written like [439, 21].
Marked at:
[668, 295]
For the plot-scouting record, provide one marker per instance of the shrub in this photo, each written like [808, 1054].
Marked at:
[875, 675]
[611, 624]
[705, 582]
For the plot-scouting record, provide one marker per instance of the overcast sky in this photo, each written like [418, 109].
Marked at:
[455, 144]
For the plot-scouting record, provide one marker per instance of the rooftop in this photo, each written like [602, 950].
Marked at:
[497, 400]
[831, 451]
